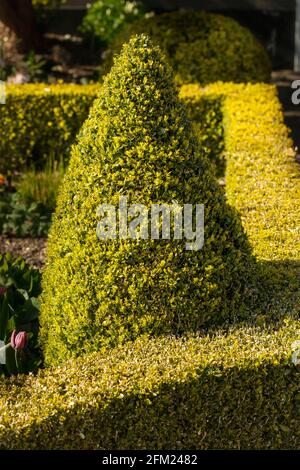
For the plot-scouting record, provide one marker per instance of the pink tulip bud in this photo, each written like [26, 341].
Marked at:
[3, 290]
[18, 340]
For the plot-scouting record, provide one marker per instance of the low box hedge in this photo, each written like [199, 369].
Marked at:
[262, 175]
[40, 121]
[232, 388]
[262, 182]
[234, 391]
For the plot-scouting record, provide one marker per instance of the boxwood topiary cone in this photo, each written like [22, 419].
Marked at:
[138, 143]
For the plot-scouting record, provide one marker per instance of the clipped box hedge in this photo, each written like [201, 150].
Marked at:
[40, 121]
[232, 391]
[229, 389]
[262, 175]
[262, 182]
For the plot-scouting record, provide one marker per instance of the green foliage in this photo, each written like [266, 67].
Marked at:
[231, 391]
[28, 211]
[49, 127]
[42, 187]
[233, 388]
[138, 142]
[106, 18]
[34, 67]
[21, 218]
[260, 152]
[262, 178]
[41, 121]
[207, 118]
[262, 175]
[201, 47]
[19, 311]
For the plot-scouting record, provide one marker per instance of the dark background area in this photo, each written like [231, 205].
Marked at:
[272, 21]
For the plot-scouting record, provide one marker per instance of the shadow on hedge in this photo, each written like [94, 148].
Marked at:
[279, 293]
[242, 407]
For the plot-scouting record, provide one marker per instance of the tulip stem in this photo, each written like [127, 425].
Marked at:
[18, 363]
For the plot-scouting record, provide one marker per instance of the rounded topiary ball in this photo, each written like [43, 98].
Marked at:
[201, 47]
[138, 143]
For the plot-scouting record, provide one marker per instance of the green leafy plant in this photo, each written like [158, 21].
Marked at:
[34, 67]
[106, 18]
[20, 287]
[23, 219]
[28, 211]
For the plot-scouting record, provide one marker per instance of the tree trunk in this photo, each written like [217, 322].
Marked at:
[19, 16]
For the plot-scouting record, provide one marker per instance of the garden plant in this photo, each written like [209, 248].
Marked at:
[100, 293]
[132, 341]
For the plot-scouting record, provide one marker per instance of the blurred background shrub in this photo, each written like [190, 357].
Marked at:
[201, 47]
[106, 18]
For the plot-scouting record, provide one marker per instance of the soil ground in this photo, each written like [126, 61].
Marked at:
[32, 250]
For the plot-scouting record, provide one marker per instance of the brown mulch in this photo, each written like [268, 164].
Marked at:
[33, 250]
